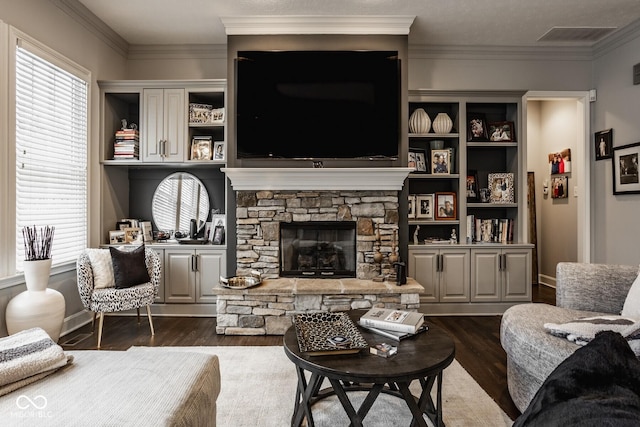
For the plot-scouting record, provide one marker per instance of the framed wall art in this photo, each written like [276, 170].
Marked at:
[446, 206]
[424, 206]
[603, 144]
[501, 188]
[560, 187]
[560, 161]
[625, 169]
[440, 162]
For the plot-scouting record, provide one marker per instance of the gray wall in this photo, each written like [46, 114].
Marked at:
[616, 232]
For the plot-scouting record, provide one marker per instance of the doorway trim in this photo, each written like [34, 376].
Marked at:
[582, 158]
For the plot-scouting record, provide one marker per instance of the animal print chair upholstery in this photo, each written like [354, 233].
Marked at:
[111, 299]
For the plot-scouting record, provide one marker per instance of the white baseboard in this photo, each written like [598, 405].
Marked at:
[547, 281]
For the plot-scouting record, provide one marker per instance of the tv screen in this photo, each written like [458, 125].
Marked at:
[317, 104]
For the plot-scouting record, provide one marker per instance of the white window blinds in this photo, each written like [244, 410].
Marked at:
[51, 155]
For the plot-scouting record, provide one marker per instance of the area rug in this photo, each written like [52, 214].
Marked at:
[258, 387]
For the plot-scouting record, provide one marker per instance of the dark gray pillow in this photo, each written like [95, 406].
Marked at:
[129, 267]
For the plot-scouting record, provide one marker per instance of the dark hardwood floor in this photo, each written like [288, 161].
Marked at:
[477, 340]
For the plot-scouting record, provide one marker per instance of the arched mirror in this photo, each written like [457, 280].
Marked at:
[179, 198]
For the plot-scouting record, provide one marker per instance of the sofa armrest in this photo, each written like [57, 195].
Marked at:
[593, 287]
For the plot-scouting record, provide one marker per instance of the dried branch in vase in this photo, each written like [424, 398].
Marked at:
[37, 245]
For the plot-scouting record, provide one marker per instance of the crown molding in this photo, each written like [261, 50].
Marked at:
[306, 24]
[177, 51]
[531, 53]
[617, 39]
[93, 24]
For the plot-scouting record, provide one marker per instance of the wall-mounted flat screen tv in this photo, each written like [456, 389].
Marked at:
[317, 104]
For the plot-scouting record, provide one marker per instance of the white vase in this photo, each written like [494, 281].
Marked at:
[38, 306]
[36, 274]
[419, 122]
[442, 123]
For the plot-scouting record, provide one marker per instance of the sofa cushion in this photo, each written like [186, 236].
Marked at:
[597, 385]
[101, 267]
[631, 306]
[129, 267]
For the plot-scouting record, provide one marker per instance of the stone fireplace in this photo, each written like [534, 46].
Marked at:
[269, 201]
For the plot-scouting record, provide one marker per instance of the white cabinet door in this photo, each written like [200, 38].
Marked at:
[486, 277]
[163, 127]
[179, 278]
[454, 275]
[423, 267]
[517, 275]
[210, 266]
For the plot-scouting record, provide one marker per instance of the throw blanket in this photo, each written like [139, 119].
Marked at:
[583, 330]
[28, 356]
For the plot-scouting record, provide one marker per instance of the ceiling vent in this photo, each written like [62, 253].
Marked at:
[576, 34]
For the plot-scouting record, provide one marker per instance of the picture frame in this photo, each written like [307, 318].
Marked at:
[501, 187]
[424, 206]
[132, 235]
[421, 161]
[217, 220]
[502, 132]
[603, 141]
[411, 159]
[625, 169]
[116, 237]
[411, 209]
[201, 148]
[147, 231]
[473, 192]
[121, 225]
[560, 161]
[218, 235]
[560, 187]
[446, 206]
[441, 162]
[477, 127]
[219, 150]
[200, 113]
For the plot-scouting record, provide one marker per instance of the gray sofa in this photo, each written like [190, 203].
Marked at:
[581, 290]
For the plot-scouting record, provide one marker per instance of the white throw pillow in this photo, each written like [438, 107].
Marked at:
[631, 306]
[102, 268]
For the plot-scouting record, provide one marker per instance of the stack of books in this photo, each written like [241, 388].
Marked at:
[394, 324]
[126, 145]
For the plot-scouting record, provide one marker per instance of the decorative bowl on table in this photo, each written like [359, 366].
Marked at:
[242, 282]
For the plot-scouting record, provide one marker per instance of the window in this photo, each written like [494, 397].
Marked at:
[51, 150]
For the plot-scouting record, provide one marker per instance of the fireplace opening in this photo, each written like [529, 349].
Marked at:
[319, 249]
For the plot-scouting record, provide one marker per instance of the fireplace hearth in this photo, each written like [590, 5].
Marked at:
[319, 249]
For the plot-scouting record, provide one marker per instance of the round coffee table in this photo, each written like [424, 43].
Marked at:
[421, 358]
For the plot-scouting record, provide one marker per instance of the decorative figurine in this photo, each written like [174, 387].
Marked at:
[415, 235]
[454, 236]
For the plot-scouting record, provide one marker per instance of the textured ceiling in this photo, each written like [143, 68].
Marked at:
[437, 23]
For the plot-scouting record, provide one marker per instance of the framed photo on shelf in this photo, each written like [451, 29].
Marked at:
[121, 225]
[219, 223]
[201, 148]
[411, 160]
[501, 131]
[446, 206]
[604, 144]
[116, 237]
[417, 159]
[472, 186]
[501, 188]
[132, 235]
[625, 169]
[477, 127]
[559, 187]
[424, 206]
[411, 210]
[218, 150]
[441, 162]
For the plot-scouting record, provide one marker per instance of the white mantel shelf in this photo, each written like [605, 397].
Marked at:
[255, 179]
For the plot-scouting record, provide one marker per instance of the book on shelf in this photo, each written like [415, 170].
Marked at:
[395, 335]
[491, 230]
[394, 320]
[321, 334]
